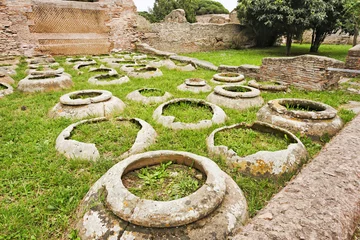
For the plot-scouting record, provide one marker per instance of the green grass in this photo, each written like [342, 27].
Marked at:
[248, 141]
[165, 182]
[40, 189]
[254, 56]
[112, 138]
[188, 112]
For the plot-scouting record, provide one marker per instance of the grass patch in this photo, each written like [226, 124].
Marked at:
[188, 112]
[254, 56]
[164, 182]
[237, 89]
[248, 141]
[152, 92]
[112, 138]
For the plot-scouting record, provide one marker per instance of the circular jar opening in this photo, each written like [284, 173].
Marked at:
[164, 182]
[188, 111]
[151, 92]
[41, 77]
[85, 95]
[125, 62]
[195, 82]
[230, 75]
[306, 106]
[145, 69]
[237, 89]
[3, 87]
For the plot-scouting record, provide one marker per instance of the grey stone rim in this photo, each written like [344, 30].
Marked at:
[221, 77]
[219, 115]
[221, 90]
[195, 82]
[78, 150]
[67, 100]
[9, 89]
[280, 87]
[174, 213]
[324, 111]
[265, 163]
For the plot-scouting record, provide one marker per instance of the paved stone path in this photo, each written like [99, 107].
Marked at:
[322, 202]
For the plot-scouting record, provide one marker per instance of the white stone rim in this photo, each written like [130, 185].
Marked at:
[67, 100]
[180, 214]
[328, 112]
[221, 78]
[220, 90]
[219, 116]
[191, 83]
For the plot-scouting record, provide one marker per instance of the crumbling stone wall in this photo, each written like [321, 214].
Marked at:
[207, 17]
[306, 71]
[336, 38]
[66, 27]
[353, 58]
[195, 37]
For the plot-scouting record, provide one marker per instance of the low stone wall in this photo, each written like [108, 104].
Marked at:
[66, 27]
[187, 37]
[307, 71]
[322, 202]
[338, 38]
[353, 58]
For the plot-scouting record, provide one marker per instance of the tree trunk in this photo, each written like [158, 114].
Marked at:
[356, 34]
[317, 38]
[288, 43]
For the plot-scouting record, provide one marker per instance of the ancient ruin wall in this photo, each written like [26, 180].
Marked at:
[66, 27]
[353, 58]
[306, 71]
[187, 37]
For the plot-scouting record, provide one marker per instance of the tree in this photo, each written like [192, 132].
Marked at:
[270, 19]
[150, 17]
[210, 7]
[324, 20]
[351, 21]
[164, 7]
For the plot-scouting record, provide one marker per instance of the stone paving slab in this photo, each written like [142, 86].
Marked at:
[322, 202]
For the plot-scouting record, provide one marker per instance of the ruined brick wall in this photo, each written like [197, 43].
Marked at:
[66, 27]
[307, 71]
[187, 37]
[353, 58]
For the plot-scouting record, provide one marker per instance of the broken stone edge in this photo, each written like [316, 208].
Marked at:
[73, 149]
[271, 88]
[138, 97]
[262, 163]
[9, 89]
[219, 116]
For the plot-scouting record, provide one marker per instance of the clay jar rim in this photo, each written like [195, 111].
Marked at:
[67, 100]
[160, 214]
[190, 82]
[7, 86]
[220, 90]
[221, 78]
[326, 111]
[279, 87]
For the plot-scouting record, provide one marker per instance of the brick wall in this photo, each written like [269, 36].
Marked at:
[306, 71]
[353, 58]
[66, 27]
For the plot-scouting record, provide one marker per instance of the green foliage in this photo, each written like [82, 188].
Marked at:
[164, 182]
[351, 18]
[148, 16]
[210, 7]
[192, 8]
